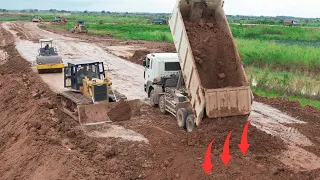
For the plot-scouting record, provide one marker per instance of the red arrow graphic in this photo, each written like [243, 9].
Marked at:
[226, 156]
[207, 165]
[244, 146]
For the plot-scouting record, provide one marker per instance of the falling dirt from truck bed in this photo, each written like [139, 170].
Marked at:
[216, 56]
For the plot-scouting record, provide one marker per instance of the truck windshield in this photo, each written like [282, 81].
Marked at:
[172, 66]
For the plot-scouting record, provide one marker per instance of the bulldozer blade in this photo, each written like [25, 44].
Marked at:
[110, 112]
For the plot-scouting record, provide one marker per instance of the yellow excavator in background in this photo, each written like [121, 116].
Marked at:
[37, 19]
[60, 20]
[79, 27]
[91, 99]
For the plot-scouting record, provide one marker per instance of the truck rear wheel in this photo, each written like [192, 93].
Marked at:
[182, 117]
[190, 123]
[162, 104]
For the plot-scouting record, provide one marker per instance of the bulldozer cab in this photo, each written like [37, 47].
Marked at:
[74, 73]
[46, 48]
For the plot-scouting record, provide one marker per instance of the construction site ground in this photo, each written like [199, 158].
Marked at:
[37, 141]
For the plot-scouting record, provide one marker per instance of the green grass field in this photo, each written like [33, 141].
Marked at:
[90, 18]
[147, 32]
[265, 32]
[285, 82]
[279, 56]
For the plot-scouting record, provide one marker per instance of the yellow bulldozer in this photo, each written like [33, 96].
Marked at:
[60, 20]
[37, 19]
[79, 27]
[91, 99]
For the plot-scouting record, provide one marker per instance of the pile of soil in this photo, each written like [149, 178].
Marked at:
[121, 112]
[216, 56]
[139, 56]
[179, 155]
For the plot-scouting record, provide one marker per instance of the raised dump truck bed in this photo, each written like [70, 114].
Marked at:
[211, 67]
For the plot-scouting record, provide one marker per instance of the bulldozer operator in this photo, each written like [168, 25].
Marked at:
[46, 47]
[83, 72]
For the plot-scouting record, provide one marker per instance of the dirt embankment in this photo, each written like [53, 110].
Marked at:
[309, 114]
[215, 54]
[37, 141]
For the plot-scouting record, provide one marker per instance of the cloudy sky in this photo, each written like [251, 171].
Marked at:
[301, 8]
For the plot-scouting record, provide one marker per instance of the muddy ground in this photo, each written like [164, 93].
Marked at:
[37, 141]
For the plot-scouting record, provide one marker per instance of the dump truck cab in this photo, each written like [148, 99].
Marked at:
[157, 67]
[166, 88]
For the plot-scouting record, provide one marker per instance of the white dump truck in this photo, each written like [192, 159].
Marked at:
[176, 82]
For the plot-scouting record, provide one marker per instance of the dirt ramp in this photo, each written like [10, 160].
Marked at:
[139, 56]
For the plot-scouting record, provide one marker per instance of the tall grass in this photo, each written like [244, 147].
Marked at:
[147, 32]
[92, 18]
[264, 32]
[285, 82]
[7, 18]
[279, 56]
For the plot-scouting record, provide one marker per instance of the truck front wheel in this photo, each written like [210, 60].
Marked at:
[153, 98]
[181, 117]
[190, 123]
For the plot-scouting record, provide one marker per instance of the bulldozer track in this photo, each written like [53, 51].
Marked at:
[76, 98]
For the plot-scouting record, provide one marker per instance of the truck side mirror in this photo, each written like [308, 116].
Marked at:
[144, 63]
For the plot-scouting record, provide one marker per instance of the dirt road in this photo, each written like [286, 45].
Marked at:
[125, 75]
[40, 142]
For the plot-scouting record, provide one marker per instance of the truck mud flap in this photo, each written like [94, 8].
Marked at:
[110, 112]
